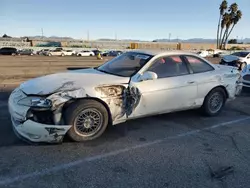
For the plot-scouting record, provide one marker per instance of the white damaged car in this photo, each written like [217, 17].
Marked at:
[136, 84]
[246, 76]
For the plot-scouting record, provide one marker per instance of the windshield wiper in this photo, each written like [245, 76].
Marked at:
[102, 70]
[107, 72]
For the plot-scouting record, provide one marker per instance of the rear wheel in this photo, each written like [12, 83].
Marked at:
[63, 54]
[50, 54]
[214, 102]
[89, 120]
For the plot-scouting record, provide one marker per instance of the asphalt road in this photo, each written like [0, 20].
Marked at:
[181, 149]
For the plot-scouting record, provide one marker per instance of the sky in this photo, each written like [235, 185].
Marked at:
[127, 19]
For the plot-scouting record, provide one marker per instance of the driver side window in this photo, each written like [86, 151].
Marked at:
[169, 66]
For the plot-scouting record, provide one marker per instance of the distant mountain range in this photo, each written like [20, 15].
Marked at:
[192, 40]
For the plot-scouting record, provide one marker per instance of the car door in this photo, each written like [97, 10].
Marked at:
[57, 52]
[204, 74]
[173, 90]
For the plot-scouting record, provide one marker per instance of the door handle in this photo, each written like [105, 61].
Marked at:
[191, 82]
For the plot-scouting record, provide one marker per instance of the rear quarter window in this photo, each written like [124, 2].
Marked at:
[198, 65]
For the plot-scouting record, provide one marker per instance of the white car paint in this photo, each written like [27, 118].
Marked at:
[68, 52]
[179, 93]
[85, 53]
[203, 53]
[55, 53]
[235, 57]
[246, 76]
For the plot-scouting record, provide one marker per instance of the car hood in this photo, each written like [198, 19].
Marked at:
[70, 80]
[230, 58]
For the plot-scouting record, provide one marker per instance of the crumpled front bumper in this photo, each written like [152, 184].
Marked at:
[37, 132]
[30, 130]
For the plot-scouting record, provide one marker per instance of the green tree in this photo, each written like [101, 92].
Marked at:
[235, 20]
[233, 41]
[229, 19]
[226, 23]
[223, 8]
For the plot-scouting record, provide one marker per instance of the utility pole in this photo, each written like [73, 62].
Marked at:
[115, 36]
[42, 33]
[169, 37]
[88, 35]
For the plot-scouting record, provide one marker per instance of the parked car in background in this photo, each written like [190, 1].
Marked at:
[68, 53]
[25, 52]
[43, 52]
[136, 84]
[8, 51]
[112, 53]
[219, 53]
[245, 73]
[237, 59]
[96, 52]
[85, 53]
[203, 53]
[56, 52]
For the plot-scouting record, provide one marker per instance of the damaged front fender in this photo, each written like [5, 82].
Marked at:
[120, 99]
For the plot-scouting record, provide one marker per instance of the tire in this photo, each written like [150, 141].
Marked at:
[79, 55]
[50, 54]
[73, 113]
[63, 55]
[207, 107]
[91, 55]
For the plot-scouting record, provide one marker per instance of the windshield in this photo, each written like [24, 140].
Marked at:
[240, 54]
[126, 64]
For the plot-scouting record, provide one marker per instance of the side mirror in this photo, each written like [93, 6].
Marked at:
[148, 75]
[248, 57]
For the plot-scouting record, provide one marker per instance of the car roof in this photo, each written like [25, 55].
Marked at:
[164, 52]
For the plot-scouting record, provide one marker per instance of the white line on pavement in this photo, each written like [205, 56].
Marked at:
[113, 153]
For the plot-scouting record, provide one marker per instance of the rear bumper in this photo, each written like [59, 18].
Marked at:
[238, 89]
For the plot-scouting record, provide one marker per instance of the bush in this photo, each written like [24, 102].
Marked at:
[236, 48]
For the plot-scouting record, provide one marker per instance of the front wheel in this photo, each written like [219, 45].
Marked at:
[89, 120]
[63, 55]
[214, 102]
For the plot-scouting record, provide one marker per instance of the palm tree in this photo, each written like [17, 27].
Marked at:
[233, 8]
[223, 25]
[223, 8]
[236, 19]
[226, 22]
[231, 18]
